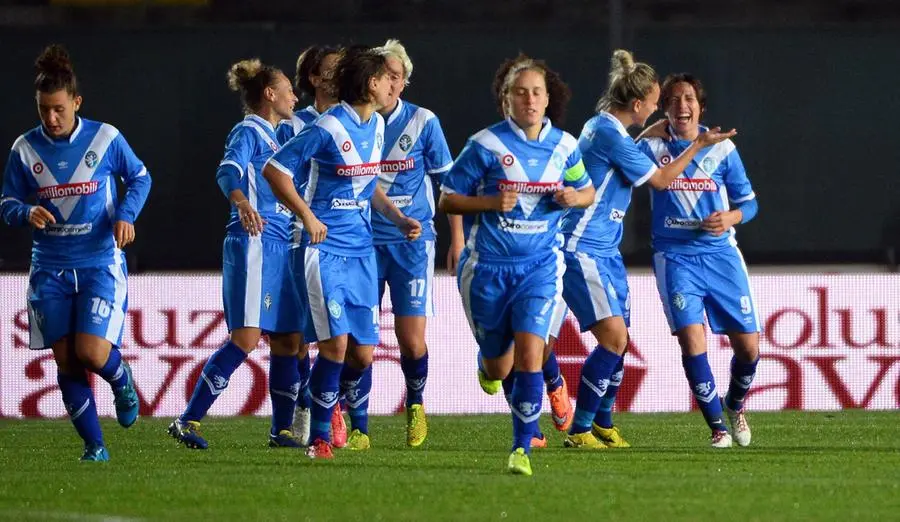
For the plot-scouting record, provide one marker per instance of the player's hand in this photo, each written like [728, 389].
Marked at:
[713, 136]
[250, 218]
[659, 129]
[566, 198]
[453, 256]
[505, 201]
[316, 229]
[411, 228]
[718, 222]
[39, 217]
[124, 233]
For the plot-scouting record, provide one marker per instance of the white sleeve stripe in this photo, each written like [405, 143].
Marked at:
[646, 176]
[143, 172]
[10, 198]
[447, 190]
[748, 197]
[440, 170]
[284, 170]
[233, 164]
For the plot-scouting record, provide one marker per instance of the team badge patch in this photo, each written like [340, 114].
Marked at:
[379, 140]
[90, 159]
[557, 160]
[708, 165]
[405, 142]
[679, 302]
[334, 309]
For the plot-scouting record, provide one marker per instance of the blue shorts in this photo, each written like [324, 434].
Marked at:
[503, 298]
[408, 269]
[716, 283]
[257, 287]
[77, 300]
[342, 295]
[595, 288]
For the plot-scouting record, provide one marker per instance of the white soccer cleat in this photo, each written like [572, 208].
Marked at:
[300, 426]
[739, 426]
[720, 439]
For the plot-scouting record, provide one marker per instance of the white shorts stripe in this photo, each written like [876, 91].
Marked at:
[750, 289]
[465, 287]
[557, 299]
[659, 267]
[117, 319]
[429, 279]
[253, 285]
[316, 295]
[599, 298]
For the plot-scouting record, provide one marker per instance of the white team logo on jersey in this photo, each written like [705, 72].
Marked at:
[557, 160]
[405, 142]
[379, 140]
[62, 165]
[708, 164]
[334, 309]
[679, 302]
[90, 159]
[532, 162]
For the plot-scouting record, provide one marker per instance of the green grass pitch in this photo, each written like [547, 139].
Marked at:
[811, 466]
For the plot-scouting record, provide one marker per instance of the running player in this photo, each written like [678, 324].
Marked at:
[256, 261]
[77, 287]
[698, 265]
[514, 180]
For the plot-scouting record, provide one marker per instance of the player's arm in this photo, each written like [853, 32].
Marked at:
[740, 194]
[457, 242]
[578, 191]
[13, 209]
[231, 170]
[137, 184]
[458, 189]
[382, 204]
[663, 176]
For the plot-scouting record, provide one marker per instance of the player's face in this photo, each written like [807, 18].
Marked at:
[397, 77]
[326, 73]
[683, 108]
[380, 90]
[57, 111]
[647, 106]
[528, 99]
[283, 97]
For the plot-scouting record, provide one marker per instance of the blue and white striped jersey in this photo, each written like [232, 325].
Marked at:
[335, 162]
[415, 151]
[615, 165]
[287, 129]
[714, 179]
[73, 179]
[500, 157]
[249, 146]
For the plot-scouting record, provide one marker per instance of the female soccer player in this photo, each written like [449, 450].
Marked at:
[256, 272]
[595, 285]
[77, 288]
[514, 180]
[344, 149]
[698, 265]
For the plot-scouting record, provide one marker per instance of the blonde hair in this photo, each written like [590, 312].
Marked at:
[395, 49]
[628, 81]
[250, 78]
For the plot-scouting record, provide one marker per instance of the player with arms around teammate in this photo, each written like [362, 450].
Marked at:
[256, 286]
[513, 182]
[698, 265]
[343, 150]
[77, 287]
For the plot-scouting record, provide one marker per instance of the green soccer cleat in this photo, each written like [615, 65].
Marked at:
[416, 426]
[490, 387]
[358, 441]
[519, 463]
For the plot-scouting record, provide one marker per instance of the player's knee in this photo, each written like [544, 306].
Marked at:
[746, 346]
[612, 334]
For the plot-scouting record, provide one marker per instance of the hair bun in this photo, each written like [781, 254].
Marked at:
[54, 59]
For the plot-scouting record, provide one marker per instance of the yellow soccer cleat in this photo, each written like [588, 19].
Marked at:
[358, 441]
[416, 426]
[490, 387]
[585, 440]
[609, 436]
[519, 463]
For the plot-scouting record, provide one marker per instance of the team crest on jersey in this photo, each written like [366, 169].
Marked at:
[346, 146]
[268, 300]
[90, 159]
[379, 140]
[679, 302]
[507, 160]
[557, 160]
[665, 160]
[37, 168]
[405, 142]
[708, 165]
[334, 309]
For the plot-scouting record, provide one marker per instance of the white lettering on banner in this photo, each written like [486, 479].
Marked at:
[68, 190]
[362, 169]
[828, 342]
[530, 187]
[693, 185]
[521, 226]
[683, 223]
[398, 165]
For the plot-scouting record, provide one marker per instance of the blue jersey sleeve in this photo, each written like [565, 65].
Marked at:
[285, 131]
[468, 170]
[575, 174]
[238, 153]
[737, 184]
[13, 208]
[644, 147]
[436, 154]
[294, 156]
[136, 179]
[634, 165]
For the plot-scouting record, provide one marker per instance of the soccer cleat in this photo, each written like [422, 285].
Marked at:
[489, 386]
[126, 399]
[300, 426]
[720, 439]
[585, 440]
[561, 407]
[519, 463]
[95, 454]
[538, 441]
[416, 426]
[738, 425]
[319, 449]
[284, 439]
[188, 433]
[609, 436]
[358, 441]
[338, 428]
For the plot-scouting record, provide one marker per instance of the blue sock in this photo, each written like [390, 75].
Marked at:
[324, 390]
[528, 390]
[741, 378]
[356, 386]
[604, 413]
[552, 375]
[284, 387]
[508, 386]
[481, 364]
[703, 385]
[79, 401]
[415, 371]
[303, 399]
[595, 375]
[213, 380]
[113, 371]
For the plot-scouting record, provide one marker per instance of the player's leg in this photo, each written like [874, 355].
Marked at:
[78, 399]
[284, 388]
[557, 390]
[300, 426]
[525, 399]
[356, 386]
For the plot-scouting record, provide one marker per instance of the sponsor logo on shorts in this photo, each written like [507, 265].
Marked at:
[682, 223]
[361, 169]
[334, 309]
[530, 187]
[679, 302]
[68, 190]
[693, 185]
[283, 210]
[401, 201]
[616, 215]
[345, 204]
[398, 165]
[59, 229]
[521, 226]
[268, 300]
